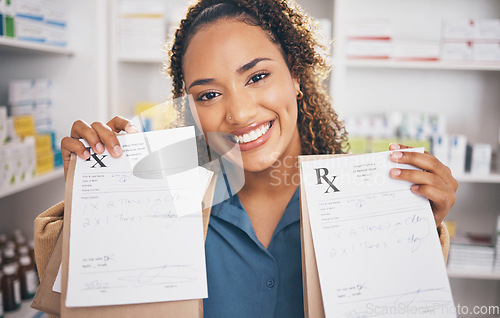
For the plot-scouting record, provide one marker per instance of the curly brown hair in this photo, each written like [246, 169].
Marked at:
[321, 132]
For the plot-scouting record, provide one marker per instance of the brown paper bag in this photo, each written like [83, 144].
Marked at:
[184, 308]
[46, 299]
[313, 301]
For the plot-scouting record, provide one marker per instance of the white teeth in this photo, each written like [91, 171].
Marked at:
[253, 135]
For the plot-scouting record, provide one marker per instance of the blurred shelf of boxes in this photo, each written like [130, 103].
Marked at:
[474, 255]
[14, 46]
[34, 25]
[469, 162]
[431, 65]
[458, 40]
[28, 143]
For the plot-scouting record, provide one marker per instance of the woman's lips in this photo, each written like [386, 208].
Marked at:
[254, 136]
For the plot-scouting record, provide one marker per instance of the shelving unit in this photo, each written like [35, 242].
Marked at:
[438, 65]
[492, 178]
[79, 92]
[38, 180]
[473, 274]
[8, 45]
[465, 92]
[25, 312]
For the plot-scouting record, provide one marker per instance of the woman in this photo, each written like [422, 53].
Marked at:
[253, 71]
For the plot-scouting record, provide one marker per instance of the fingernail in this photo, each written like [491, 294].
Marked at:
[414, 187]
[86, 155]
[397, 155]
[117, 150]
[99, 147]
[131, 129]
[396, 172]
[394, 146]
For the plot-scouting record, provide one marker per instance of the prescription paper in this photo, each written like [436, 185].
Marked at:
[137, 240]
[376, 245]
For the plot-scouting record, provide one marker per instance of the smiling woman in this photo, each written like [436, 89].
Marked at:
[256, 79]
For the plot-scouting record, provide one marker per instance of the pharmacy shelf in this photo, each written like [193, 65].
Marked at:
[436, 65]
[474, 178]
[25, 312]
[8, 45]
[38, 180]
[147, 60]
[473, 274]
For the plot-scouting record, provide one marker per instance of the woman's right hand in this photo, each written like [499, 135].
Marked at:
[98, 135]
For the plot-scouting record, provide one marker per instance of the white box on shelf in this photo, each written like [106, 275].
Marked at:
[20, 110]
[8, 164]
[456, 51]
[54, 12]
[369, 29]
[55, 27]
[31, 9]
[460, 29]
[141, 38]
[486, 52]
[440, 146]
[43, 91]
[30, 30]
[21, 92]
[486, 29]
[29, 165]
[18, 162]
[458, 149]
[3, 125]
[141, 7]
[369, 49]
[481, 159]
[416, 50]
[56, 35]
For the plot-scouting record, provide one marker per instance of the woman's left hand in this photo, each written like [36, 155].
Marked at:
[434, 181]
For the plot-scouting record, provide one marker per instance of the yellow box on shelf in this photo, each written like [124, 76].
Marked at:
[156, 116]
[24, 125]
[43, 142]
[44, 162]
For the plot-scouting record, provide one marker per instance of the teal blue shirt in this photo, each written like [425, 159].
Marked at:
[244, 278]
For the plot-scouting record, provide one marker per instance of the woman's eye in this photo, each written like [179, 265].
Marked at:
[209, 96]
[257, 78]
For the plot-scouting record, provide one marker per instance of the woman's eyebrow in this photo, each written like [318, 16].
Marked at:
[240, 70]
[201, 82]
[251, 64]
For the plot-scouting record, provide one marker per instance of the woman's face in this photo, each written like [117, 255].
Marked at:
[243, 90]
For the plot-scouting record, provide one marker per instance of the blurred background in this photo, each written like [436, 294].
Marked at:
[425, 73]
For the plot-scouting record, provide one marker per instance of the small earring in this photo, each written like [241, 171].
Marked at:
[300, 95]
[230, 117]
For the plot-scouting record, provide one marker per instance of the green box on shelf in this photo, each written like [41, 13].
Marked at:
[381, 144]
[417, 143]
[358, 145]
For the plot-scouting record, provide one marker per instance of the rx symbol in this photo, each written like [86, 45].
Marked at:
[322, 175]
[98, 160]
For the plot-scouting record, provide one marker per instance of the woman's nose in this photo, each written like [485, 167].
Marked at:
[241, 109]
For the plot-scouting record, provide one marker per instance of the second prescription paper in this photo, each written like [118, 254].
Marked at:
[137, 240]
[377, 248]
